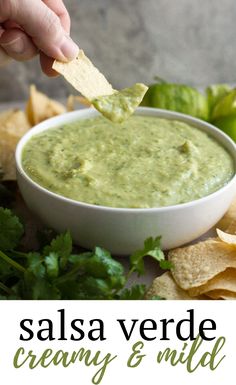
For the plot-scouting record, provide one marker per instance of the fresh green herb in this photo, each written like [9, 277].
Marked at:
[56, 271]
[135, 292]
[151, 248]
[11, 230]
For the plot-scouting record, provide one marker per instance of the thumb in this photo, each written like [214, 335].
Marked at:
[42, 25]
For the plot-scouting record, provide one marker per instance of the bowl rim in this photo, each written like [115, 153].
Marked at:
[86, 113]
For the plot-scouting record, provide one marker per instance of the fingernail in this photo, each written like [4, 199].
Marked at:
[69, 49]
[15, 46]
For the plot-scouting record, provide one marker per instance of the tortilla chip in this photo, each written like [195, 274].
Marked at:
[13, 125]
[39, 107]
[196, 264]
[84, 77]
[228, 222]
[222, 281]
[72, 100]
[7, 156]
[221, 294]
[14, 122]
[166, 288]
[230, 239]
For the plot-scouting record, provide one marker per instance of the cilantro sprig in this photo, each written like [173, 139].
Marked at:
[57, 271]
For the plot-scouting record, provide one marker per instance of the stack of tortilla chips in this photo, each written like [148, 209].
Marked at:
[15, 123]
[205, 270]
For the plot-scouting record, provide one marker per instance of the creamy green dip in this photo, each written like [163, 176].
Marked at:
[143, 162]
[121, 104]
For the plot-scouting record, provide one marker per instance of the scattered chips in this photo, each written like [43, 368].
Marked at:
[221, 294]
[7, 158]
[14, 122]
[197, 264]
[204, 269]
[230, 239]
[166, 288]
[40, 107]
[222, 281]
[13, 125]
[84, 77]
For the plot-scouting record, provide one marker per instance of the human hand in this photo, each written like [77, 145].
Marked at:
[31, 27]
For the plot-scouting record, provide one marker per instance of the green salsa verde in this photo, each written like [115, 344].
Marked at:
[143, 162]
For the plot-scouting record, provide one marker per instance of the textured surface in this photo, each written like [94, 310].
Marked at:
[133, 40]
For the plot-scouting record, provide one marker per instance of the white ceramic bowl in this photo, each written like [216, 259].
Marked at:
[123, 230]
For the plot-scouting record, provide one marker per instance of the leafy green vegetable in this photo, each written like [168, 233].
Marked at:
[134, 293]
[11, 230]
[62, 245]
[152, 248]
[35, 265]
[58, 272]
[52, 265]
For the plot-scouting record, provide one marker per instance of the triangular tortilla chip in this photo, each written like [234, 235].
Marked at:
[197, 264]
[39, 107]
[230, 239]
[221, 294]
[13, 125]
[166, 288]
[222, 281]
[84, 77]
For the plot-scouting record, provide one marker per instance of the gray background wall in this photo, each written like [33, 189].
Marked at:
[191, 41]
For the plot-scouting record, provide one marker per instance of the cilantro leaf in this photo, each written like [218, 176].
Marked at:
[98, 264]
[55, 272]
[44, 290]
[151, 247]
[11, 230]
[52, 265]
[136, 292]
[35, 288]
[6, 270]
[35, 265]
[86, 287]
[61, 245]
